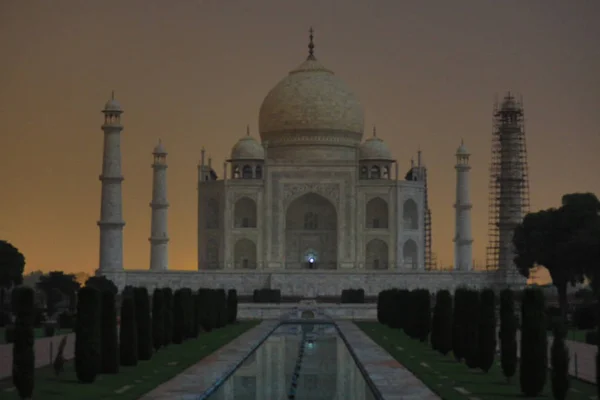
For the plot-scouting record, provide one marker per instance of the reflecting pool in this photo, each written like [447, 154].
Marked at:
[309, 361]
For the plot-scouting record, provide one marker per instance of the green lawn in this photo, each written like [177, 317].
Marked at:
[576, 335]
[38, 332]
[443, 374]
[164, 365]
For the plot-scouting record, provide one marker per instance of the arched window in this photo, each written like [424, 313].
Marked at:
[364, 172]
[246, 172]
[375, 172]
[311, 221]
[258, 172]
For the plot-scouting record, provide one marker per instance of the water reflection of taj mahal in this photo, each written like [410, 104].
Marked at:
[328, 369]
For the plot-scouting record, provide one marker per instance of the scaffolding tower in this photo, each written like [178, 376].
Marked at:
[419, 173]
[509, 183]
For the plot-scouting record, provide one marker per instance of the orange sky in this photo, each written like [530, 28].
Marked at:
[194, 73]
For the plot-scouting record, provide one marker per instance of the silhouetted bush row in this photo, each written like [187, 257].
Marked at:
[355, 296]
[465, 325]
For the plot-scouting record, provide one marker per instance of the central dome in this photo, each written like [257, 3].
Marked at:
[311, 108]
[313, 98]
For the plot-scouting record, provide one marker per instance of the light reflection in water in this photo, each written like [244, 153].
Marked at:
[328, 371]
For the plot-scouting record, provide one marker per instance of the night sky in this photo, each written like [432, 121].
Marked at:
[194, 74]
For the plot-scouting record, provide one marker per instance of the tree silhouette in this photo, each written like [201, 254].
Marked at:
[57, 280]
[12, 265]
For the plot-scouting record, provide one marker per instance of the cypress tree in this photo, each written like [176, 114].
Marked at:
[23, 363]
[87, 335]
[508, 334]
[459, 315]
[444, 322]
[221, 297]
[109, 340]
[178, 317]
[168, 315]
[205, 312]
[399, 307]
[560, 363]
[533, 367]
[232, 305]
[158, 318]
[143, 323]
[487, 330]
[128, 341]
[197, 310]
[189, 313]
[472, 328]
[381, 316]
[424, 314]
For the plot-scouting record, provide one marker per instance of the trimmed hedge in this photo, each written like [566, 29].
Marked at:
[87, 335]
[353, 296]
[221, 307]
[471, 328]
[559, 359]
[533, 368]
[487, 329]
[23, 363]
[441, 324]
[128, 341]
[109, 343]
[143, 323]
[168, 315]
[266, 296]
[584, 316]
[459, 324]
[158, 318]
[178, 317]
[508, 334]
[232, 305]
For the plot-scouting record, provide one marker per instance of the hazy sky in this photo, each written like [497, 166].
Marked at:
[194, 73]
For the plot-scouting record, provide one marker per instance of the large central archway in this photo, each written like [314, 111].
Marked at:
[311, 233]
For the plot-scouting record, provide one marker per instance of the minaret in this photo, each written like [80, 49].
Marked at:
[159, 239]
[463, 241]
[111, 210]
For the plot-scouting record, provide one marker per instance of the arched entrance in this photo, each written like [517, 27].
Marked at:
[311, 233]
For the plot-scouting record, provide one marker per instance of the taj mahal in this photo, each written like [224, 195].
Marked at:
[310, 207]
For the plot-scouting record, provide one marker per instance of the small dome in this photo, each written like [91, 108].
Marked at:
[247, 148]
[462, 150]
[112, 105]
[159, 149]
[375, 149]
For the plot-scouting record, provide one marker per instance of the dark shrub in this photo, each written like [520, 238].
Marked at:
[553, 316]
[221, 304]
[441, 327]
[178, 317]
[232, 305]
[591, 337]
[266, 296]
[66, 320]
[459, 320]
[354, 296]
[49, 329]
[128, 343]
[384, 302]
[23, 364]
[423, 314]
[584, 316]
[9, 334]
[158, 318]
[109, 339]
[533, 367]
[559, 364]
[508, 334]
[487, 329]
[4, 318]
[39, 318]
[143, 323]
[205, 309]
[197, 311]
[88, 335]
[473, 304]
[188, 305]
[168, 315]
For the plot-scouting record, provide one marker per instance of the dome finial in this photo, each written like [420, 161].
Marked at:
[112, 95]
[374, 131]
[311, 45]
[248, 130]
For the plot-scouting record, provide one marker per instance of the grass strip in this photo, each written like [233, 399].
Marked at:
[452, 380]
[130, 382]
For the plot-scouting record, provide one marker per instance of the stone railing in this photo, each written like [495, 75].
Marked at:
[367, 311]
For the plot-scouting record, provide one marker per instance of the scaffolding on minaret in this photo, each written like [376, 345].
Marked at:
[509, 183]
[419, 173]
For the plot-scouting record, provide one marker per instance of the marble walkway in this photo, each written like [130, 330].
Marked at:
[393, 381]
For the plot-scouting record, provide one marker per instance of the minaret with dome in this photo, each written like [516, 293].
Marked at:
[308, 206]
